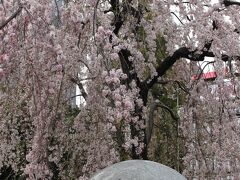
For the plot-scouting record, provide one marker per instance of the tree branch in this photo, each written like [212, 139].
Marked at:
[229, 3]
[80, 86]
[160, 104]
[177, 17]
[184, 52]
[119, 16]
[14, 15]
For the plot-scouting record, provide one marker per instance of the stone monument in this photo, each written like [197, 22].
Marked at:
[138, 170]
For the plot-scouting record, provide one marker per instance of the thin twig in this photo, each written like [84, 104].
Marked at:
[79, 60]
[177, 17]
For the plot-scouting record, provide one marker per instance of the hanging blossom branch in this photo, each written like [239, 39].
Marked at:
[14, 15]
[124, 54]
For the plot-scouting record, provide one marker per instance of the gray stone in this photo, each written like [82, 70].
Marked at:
[138, 170]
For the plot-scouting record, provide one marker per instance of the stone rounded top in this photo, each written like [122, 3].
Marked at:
[138, 170]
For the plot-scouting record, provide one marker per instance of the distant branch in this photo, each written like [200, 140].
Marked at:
[14, 15]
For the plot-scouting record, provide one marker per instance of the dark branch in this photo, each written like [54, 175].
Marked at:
[229, 3]
[118, 21]
[168, 62]
[14, 15]
[184, 52]
[178, 17]
[121, 15]
[236, 31]
[127, 66]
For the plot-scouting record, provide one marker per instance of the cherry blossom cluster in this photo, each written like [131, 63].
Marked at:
[122, 103]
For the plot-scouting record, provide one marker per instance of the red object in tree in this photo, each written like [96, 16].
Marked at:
[209, 75]
[206, 76]
[194, 77]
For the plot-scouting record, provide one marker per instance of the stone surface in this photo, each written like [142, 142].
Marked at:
[138, 170]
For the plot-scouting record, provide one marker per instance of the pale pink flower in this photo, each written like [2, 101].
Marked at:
[128, 104]
[118, 104]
